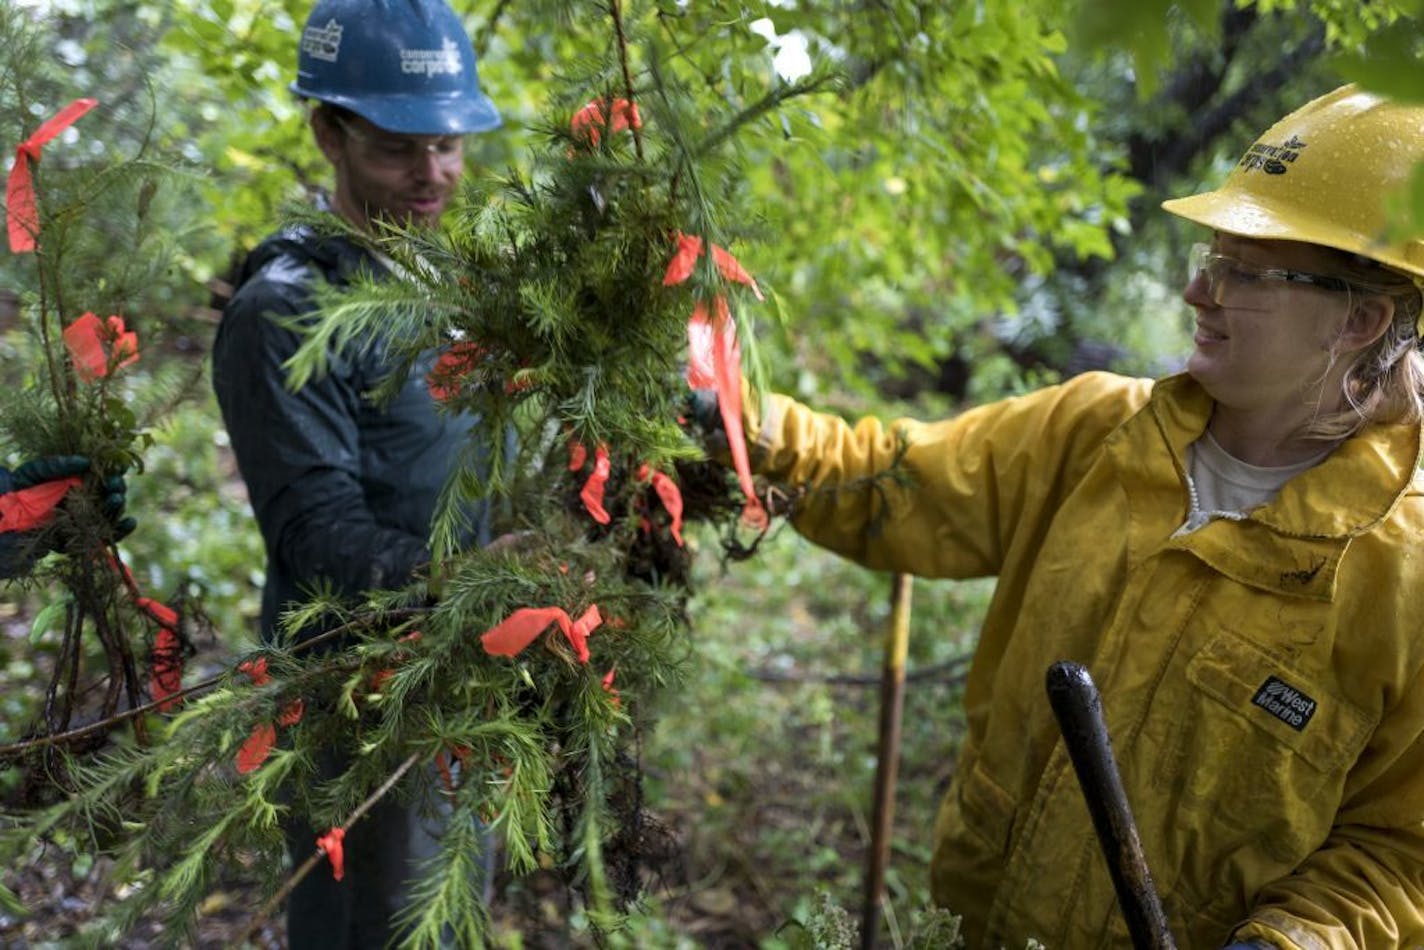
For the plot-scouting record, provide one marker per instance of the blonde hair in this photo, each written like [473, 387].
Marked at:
[1385, 382]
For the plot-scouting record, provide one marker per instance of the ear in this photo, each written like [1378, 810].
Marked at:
[1369, 318]
[328, 137]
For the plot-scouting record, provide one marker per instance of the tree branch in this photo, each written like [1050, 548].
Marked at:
[16, 749]
[1196, 88]
[615, 7]
[318, 855]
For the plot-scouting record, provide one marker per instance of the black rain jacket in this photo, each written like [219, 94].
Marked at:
[343, 489]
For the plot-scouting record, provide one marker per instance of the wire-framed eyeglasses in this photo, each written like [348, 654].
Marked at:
[395, 152]
[1229, 279]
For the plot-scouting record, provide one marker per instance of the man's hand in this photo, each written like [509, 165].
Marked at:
[46, 469]
[113, 489]
[25, 513]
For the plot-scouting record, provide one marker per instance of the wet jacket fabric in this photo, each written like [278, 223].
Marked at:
[342, 488]
[1263, 679]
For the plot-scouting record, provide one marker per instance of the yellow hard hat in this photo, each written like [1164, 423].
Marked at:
[1323, 175]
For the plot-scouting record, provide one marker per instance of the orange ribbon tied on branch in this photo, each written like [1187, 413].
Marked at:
[589, 122]
[715, 357]
[161, 614]
[22, 216]
[291, 713]
[166, 659]
[669, 494]
[510, 636]
[256, 748]
[461, 360]
[34, 507]
[256, 671]
[592, 493]
[446, 377]
[331, 844]
[98, 346]
[684, 261]
[259, 744]
[166, 669]
[577, 455]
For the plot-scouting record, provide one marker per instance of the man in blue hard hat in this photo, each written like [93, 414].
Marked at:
[344, 490]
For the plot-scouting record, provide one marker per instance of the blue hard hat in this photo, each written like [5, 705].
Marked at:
[404, 65]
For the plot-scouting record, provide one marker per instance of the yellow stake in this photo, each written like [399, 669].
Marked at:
[887, 765]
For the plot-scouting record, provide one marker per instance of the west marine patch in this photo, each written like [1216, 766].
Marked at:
[1272, 159]
[1285, 702]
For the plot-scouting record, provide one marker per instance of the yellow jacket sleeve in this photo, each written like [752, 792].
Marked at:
[943, 499]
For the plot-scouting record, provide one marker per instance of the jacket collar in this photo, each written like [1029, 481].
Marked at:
[1292, 545]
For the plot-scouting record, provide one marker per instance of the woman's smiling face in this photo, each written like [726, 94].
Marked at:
[1263, 343]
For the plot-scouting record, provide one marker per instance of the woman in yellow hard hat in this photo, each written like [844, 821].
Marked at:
[1236, 554]
[1317, 187]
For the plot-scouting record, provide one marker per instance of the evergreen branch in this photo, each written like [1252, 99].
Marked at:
[188, 874]
[615, 7]
[591, 820]
[47, 341]
[447, 902]
[271, 904]
[553, 281]
[16, 749]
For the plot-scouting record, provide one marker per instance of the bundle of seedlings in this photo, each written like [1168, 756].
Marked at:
[574, 309]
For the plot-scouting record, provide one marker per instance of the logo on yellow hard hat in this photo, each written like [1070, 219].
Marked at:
[1272, 159]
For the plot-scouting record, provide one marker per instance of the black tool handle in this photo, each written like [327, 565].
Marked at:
[1079, 710]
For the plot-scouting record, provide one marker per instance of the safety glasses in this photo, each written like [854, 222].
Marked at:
[1231, 282]
[399, 152]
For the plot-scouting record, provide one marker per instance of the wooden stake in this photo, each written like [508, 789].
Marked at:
[887, 765]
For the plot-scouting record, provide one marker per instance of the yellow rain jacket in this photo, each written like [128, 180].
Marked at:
[1263, 679]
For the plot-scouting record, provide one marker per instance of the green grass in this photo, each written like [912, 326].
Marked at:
[767, 767]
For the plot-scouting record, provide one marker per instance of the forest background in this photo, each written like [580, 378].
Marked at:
[968, 209]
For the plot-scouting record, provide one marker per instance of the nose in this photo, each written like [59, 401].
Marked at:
[427, 166]
[1197, 293]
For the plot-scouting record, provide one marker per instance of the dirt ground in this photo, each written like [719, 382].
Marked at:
[61, 901]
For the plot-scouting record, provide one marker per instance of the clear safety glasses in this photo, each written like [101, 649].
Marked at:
[1234, 282]
[398, 152]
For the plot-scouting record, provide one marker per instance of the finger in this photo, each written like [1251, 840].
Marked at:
[48, 468]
